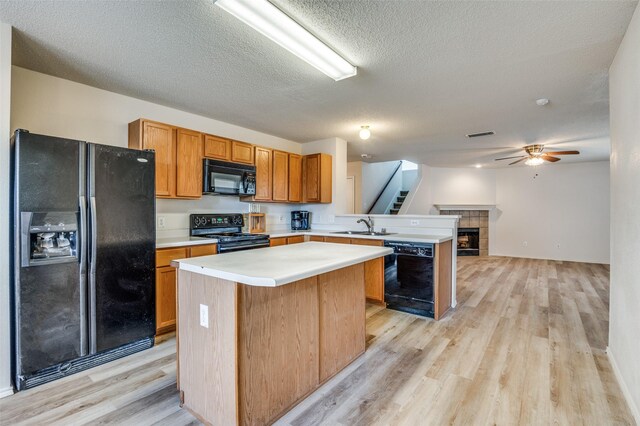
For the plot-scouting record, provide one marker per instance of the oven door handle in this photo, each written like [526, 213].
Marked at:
[241, 247]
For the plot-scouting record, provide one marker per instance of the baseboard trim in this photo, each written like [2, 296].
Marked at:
[4, 392]
[623, 386]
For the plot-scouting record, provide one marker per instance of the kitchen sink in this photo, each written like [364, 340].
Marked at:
[363, 233]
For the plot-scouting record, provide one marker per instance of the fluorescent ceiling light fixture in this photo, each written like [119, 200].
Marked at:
[276, 25]
[534, 161]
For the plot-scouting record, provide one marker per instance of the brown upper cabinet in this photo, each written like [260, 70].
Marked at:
[264, 174]
[160, 138]
[316, 169]
[188, 164]
[178, 157]
[217, 148]
[295, 178]
[241, 152]
[280, 176]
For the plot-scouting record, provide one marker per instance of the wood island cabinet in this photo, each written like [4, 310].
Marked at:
[166, 278]
[217, 148]
[317, 169]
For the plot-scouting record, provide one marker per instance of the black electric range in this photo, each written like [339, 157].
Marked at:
[227, 229]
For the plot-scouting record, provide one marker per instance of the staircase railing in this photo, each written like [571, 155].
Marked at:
[384, 188]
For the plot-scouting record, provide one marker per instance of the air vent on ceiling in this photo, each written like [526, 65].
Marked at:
[477, 135]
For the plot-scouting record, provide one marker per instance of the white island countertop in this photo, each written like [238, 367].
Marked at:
[276, 266]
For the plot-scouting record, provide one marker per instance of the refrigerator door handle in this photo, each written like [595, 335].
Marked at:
[92, 275]
[82, 254]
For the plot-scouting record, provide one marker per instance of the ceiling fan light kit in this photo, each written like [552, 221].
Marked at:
[535, 155]
[274, 24]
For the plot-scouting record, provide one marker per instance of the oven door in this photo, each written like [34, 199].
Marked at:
[408, 283]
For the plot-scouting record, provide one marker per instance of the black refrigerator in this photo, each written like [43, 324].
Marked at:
[83, 226]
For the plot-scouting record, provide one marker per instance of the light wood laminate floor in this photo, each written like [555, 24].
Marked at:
[525, 346]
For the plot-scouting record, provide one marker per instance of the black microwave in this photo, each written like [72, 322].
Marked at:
[224, 178]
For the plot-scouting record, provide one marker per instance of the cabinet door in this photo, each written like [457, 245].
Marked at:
[160, 138]
[204, 250]
[280, 241]
[241, 152]
[280, 176]
[217, 148]
[339, 240]
[373, 272]
[311, 166]
[295, 178]
[264, 177]
[295, 240]
[189, 164]
[316, 238]
[165, 299]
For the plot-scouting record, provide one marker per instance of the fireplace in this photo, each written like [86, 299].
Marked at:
[468, 241]
[472, 219]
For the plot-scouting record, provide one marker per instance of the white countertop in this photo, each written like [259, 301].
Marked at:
[183, 241]
[418, 238]
[276, 266]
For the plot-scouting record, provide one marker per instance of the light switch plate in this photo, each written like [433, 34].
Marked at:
[204, 316]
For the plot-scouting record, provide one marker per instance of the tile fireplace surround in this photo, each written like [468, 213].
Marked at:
[474, 219]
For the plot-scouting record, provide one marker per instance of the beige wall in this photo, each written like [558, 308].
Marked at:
[624, 312]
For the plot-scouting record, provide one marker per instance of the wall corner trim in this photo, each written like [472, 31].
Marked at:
[5, 392]
[623, 386]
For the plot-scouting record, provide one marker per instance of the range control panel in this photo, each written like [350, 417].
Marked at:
[199, 221]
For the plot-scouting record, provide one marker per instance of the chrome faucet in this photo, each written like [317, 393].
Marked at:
[369, 223]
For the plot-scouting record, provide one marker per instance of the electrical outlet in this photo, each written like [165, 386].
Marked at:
[204, 316]
[524, 243]
[281, 218]
[161, 222]
[415, 222]
[332, 219]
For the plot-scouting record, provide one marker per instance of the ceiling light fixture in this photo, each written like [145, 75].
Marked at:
[534, 161]
[542, 101]
[277, 26]
[478, 166]
[365, 133]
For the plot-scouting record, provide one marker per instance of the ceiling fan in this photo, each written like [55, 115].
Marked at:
[535, 155]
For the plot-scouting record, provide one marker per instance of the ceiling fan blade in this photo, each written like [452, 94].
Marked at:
[517, 161]
[509, 158]
[550, 158]
[562, 153]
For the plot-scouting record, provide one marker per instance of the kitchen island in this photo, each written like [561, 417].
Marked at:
[260, 330]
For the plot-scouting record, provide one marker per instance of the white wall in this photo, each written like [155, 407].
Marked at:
[565, 205]
[561, 211]
[354, 168]
[624, 312]
[53, 106]
[463, 186]
[374, 177]
[5, 178]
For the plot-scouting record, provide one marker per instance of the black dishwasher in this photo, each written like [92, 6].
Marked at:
[408, 277]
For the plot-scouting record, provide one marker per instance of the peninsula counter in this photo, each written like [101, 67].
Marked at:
[259, 330]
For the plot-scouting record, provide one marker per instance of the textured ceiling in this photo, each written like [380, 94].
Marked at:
[429, 72]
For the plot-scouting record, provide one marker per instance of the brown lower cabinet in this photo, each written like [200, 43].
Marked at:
[166, 283]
